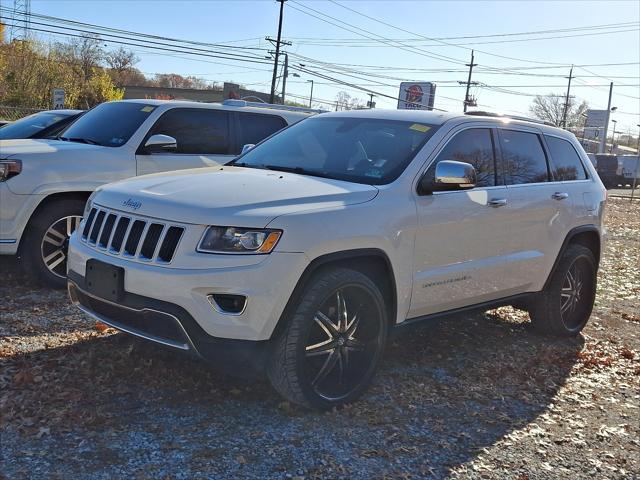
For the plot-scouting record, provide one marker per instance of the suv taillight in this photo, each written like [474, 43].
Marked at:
[9, 168]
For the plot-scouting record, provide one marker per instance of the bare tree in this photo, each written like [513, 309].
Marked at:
[87, 53]
[347, 102]
[550, 108]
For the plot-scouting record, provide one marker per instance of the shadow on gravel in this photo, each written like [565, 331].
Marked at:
[120, 405]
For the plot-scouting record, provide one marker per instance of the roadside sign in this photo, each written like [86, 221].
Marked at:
[58, 98]
[596, 121]
[416, 96]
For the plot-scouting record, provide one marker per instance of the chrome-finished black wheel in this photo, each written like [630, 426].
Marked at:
[564, 306]
[333, 340]
[343, 340]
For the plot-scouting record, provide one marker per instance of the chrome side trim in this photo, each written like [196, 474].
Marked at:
[132, 331]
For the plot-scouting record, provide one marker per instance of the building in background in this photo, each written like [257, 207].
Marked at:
[229, 90]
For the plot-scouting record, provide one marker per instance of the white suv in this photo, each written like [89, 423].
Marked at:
[44, 184]
[304, 253]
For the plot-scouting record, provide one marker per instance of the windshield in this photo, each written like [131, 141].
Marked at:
[361, 150]
[28, 126]
[109, 124]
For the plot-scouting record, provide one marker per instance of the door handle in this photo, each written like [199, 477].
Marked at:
[560, 196]
[497, 202]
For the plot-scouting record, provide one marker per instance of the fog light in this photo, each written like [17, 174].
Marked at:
[228, 304]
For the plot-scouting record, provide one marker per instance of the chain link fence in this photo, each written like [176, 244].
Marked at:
[9, 113]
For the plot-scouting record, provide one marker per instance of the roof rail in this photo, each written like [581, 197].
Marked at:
[482, 113]
[243, 103]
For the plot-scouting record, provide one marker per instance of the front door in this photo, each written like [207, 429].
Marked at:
[461, 249]
[203, 138]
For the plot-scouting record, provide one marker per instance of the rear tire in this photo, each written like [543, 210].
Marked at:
[564, 307]
[46, 242]
[332, 342]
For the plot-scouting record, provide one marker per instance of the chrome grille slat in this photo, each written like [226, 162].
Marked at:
[104, 221]
[141, 240]
[165, 229]
[113, 231]
[155, 246]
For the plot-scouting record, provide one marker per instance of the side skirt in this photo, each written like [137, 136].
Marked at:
[410, 323]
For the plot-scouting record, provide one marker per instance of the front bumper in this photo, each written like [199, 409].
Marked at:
[267, 285]
[172, 326]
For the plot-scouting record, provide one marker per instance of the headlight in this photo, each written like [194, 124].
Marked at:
[238, 240]
[9, 168]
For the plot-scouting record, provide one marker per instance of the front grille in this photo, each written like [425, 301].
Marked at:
[130, 236]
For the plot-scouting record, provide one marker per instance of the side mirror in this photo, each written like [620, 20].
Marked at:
[449, 175]
[247, 147]
[159, 142]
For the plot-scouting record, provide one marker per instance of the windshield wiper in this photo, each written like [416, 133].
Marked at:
[298, 170]
[88, 141]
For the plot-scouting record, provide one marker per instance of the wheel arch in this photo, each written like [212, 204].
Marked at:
[53, 197]
[372, 262]
[585, 235]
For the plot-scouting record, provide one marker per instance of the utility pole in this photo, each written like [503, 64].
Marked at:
[635, 177]
[603, 140]
[467, 100]
[613, 135]
[285, 74]
[311, 96]
[272, 97]
[566, 100]
[371, 104]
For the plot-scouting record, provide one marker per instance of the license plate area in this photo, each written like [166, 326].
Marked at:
[104, 280]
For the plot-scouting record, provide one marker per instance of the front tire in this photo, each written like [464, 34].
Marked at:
[333, 341]
[46, 243]
[565, 306]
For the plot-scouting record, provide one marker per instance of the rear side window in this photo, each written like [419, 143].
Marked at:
[253, 127]
[565, 160]
[473, 146]
[196, 130]
[524, 157]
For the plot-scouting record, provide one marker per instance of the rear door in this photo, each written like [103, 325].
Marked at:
[567, 167]
[540, 208]
[252, 128]
[203, 137]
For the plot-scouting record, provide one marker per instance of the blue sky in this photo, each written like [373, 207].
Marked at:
[246, 23]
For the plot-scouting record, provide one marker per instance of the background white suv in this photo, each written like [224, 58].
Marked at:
[301, 255]
[44, 184]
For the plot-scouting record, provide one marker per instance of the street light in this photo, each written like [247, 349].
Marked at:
[311, 96]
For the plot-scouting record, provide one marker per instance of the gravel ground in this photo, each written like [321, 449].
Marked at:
[476, 396]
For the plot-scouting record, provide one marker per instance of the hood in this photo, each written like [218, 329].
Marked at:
[50, 166]
[10, 148]
[234, 196]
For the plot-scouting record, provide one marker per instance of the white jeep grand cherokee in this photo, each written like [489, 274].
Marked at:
[304, 253]
[44, 184]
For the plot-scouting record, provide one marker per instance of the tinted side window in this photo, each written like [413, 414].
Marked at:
[196, 130]
[474, 146]
[524, 157]
[565, 159]
[255, 127]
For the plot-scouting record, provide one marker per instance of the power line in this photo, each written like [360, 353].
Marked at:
[534, 32]
[129, 32]
[120, 42]
[364, 44]
[439, 41]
